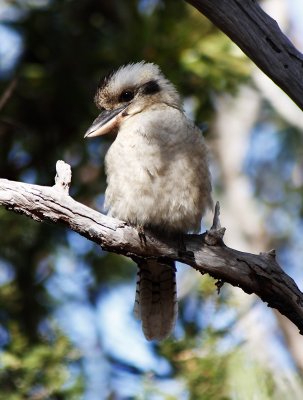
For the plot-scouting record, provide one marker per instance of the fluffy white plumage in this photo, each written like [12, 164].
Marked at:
[157, 174]
[135, 75]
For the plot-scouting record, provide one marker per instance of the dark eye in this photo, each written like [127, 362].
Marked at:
[126, 95]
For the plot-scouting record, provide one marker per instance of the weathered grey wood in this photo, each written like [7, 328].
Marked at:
[261, 39]
[259, 274]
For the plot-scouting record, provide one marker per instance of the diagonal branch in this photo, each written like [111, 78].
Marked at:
[8, 93]
[261, 39]
[259, 274]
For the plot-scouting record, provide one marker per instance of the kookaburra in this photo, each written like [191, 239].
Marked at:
[157, 175]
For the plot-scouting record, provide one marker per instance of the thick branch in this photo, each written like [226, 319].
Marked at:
[261, 39]
[259, 274]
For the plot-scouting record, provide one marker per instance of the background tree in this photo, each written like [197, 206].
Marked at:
[53, 281]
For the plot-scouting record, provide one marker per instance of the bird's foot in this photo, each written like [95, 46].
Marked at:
[181, 242]
[141, 233]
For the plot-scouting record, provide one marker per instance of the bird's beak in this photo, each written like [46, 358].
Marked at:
[106, 122]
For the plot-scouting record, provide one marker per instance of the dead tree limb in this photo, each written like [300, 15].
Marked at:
[261, 39]
[207, 253]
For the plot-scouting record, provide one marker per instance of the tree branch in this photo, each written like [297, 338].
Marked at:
[261, 39]
[259, 274]
[8, 93]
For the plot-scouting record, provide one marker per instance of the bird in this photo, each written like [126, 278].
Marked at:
[158, 176]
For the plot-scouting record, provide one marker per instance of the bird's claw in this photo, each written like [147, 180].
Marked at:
[141, 234]
[181, 242]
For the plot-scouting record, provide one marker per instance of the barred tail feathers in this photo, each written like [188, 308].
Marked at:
[156, 299]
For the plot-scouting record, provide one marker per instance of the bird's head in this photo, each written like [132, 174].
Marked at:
[130, 90]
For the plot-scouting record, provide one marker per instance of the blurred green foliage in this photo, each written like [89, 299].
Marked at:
[38, 372]
[200, 365]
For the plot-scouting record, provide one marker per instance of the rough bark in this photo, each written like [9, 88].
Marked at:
[207, 253]
[261, 39]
